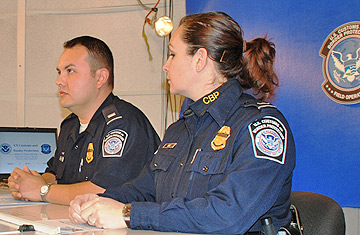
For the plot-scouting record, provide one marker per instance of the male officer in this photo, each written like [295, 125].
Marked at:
[104, 142]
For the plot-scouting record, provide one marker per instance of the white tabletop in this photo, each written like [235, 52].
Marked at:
[14, 213]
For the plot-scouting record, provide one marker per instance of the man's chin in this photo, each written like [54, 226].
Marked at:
[65, 104]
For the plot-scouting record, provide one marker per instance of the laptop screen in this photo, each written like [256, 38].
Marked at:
[26, 146]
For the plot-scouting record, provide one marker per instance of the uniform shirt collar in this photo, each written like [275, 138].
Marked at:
[93, 125]
[218, 103]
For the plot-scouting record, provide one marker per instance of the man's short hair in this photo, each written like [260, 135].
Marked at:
[100, 55]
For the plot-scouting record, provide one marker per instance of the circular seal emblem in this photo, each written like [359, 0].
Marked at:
[341, 64]
[46, 148]
[269, 142]
[5, 148]
[113, 145]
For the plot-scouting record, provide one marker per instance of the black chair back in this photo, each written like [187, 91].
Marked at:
[319, 214]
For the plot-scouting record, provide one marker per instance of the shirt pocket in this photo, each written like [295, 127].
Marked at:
[209, 163]
[162, 161]
[160, 166]
[206, 172]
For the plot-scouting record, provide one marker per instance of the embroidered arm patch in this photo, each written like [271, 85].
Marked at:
[114, 143]
[269, 138]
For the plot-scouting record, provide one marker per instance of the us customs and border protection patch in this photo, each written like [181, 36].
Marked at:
[269, 138]
[114, 143]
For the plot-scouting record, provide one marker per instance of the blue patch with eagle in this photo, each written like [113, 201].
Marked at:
[5, 148]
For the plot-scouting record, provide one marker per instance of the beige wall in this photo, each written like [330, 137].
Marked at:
[33, 32]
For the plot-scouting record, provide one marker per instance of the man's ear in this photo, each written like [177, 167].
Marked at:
[102, 76]
[200, 59]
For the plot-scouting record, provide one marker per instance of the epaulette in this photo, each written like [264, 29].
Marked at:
[258, 104]
[68, 118]
[188, 112]
[111, 114]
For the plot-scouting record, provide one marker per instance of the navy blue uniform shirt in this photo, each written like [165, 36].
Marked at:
[113, 149]
[220, 168]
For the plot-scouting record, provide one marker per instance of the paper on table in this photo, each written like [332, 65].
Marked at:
[48, 218]
[8, 228]
[8, 200]
[48, 226]
[37, 225]
[66, 226]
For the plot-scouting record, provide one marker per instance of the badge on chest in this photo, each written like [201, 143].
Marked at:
[90, 153]
[219, 142]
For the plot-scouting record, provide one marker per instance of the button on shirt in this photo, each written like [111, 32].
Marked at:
[113, 149]
[220, 168]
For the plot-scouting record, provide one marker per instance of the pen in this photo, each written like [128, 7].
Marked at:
[196, 152]
[81, 164]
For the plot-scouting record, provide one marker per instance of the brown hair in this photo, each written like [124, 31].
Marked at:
[100, 55]
[250, 62]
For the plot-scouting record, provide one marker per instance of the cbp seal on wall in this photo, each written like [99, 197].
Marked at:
[341, 64]
[5, 148]
[114, 143]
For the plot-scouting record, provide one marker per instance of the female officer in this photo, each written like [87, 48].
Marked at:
[228, 162]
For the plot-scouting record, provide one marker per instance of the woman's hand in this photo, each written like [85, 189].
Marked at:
[97, 211]
[75, 207]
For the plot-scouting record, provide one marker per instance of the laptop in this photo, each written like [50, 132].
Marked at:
[20, 146]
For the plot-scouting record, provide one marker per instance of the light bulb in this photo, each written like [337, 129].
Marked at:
[163, 26]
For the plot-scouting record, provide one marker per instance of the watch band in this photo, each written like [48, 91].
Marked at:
[126, 214]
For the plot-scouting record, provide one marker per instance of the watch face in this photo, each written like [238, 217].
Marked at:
[44, 189]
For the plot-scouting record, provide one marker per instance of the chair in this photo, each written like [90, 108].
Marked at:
[318, 213]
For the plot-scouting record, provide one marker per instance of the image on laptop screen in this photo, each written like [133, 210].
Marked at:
[26, 146]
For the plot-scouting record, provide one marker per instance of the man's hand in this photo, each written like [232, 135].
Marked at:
[25, 184]
[97, 211]
[13, 185]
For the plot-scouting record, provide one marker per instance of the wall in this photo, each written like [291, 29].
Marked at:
[326, 132]
[33, 32]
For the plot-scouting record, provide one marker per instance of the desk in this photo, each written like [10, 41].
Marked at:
[45, 212]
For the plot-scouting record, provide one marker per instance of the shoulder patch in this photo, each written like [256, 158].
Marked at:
[269, 138]
[114, 143]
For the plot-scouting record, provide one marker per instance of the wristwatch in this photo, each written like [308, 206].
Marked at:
[44, 190]
[126, 214]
